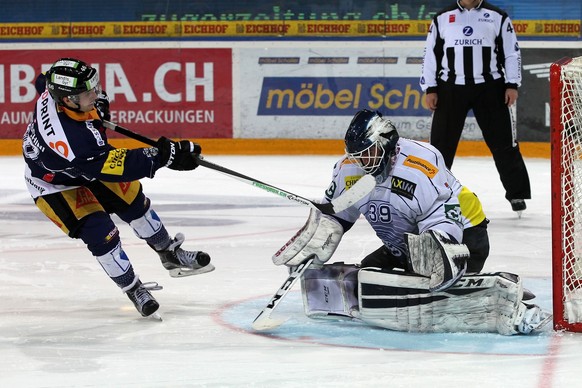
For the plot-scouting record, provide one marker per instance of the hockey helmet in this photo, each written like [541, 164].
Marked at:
[70, 77]
[371, 143]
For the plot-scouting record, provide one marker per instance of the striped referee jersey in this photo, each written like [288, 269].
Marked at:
[471, 46]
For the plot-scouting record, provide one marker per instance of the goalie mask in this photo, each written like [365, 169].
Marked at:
[371, 143]
[70, 77]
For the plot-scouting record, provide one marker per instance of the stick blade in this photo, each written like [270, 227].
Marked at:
[363, 187]
[155, 317]
[265, 323]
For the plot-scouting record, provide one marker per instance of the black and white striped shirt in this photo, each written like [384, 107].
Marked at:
[471, 46]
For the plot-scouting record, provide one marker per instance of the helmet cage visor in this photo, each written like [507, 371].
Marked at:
[370, 158]
[76, 98]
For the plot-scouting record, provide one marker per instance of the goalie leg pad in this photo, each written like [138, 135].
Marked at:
[476, 303]
[320, 236]
[330, 291]
[434, 255]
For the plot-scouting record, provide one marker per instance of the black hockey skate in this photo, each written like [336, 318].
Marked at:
[518, 206]
[180, 262]
[142, 299]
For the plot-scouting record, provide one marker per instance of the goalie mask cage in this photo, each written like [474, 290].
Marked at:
[566, 176]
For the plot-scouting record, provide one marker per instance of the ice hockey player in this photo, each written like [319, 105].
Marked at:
[426, 275]
[77, 179]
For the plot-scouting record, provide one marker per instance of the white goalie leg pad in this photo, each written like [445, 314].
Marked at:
[320, 236]
[432, 254]
[329, 292]
[476, 303]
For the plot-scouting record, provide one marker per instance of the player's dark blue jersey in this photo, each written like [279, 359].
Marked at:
[63, 149]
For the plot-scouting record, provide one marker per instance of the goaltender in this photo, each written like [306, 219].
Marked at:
[426, 275]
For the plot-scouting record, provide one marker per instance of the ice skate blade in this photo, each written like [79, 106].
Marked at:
[154, 317]
[183, 272]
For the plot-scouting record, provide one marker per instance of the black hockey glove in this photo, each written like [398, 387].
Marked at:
[40, 83]
[102, 106]
[181, 155]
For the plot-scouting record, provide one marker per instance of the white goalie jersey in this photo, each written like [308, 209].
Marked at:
[419, 194]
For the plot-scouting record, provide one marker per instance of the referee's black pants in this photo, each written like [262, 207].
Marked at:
[497, 125]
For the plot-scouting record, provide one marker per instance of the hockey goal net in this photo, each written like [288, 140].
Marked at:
[566, 166]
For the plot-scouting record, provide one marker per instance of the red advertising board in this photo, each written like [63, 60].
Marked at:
[179, 92]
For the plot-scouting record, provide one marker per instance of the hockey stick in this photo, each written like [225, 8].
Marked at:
[359, 190]
[129, 133]
[263, 321]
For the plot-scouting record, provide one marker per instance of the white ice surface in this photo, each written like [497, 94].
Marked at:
[63, 323]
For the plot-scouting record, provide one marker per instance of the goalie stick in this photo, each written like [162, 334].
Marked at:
[359, 190]
[263, 321]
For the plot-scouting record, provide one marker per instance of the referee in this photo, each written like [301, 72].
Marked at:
[472, 61]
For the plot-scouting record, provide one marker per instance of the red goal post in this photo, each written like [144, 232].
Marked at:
[566, 176]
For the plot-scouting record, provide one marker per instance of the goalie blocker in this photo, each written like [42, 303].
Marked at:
[395, 300]
[320, 236]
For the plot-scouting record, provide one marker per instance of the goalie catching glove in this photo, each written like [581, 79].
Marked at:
[320, 236]
[433, 254]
